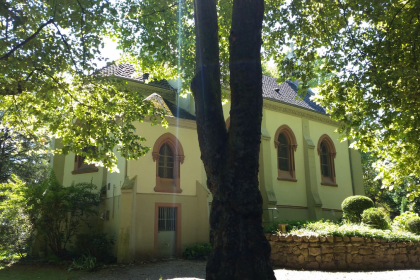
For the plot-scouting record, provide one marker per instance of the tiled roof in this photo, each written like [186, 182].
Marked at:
[287, 92]
[127, 71]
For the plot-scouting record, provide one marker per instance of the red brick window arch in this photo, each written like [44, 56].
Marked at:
[168, 155]
[286, 145]
[327, 153]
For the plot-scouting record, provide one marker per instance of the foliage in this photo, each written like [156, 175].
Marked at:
[349, 229]
[375, 218]
[47, 58]
[85, 262]
[353, 207]
[401, 220]
[413, 225]
[54, 211]
[96, 245]
[369, 51]
[197, 252]
[403, 207]
[15, 226]
[24, 156]
[291, 225]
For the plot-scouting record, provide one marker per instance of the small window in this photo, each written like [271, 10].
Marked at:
[167, 219]
[80, 167]
[327, 153]
[285, 143]
[168, 155]
[166, 162]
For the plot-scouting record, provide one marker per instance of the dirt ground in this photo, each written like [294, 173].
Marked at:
[184, 269]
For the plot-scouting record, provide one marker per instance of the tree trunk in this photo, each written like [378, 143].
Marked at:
[240, 249]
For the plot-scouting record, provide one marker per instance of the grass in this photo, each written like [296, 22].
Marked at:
[33, 272]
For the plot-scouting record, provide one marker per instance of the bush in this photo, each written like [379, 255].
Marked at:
[375, 218]
[198, 252]
[85, 262]
[291, 225]
[401, 220]
[96, 245]
[413, 225]
[353, 207]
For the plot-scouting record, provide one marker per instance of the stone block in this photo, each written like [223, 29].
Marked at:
[330, 238]
[402, 244]
[303, 245]
[305, 239]
[327, 257]
[304, 252]
[326, 249]
[357, 239]
[318, 258]
[275, 257]
[377, 240]
[390, 258]
[291, 258]
[392, 245]
[274, 237]
[403, 251]
[297, 238]
[340, 244]
[312, 265]
[301, 259]
[365, 251]
[340, 249]
[316, 244]
[352, 249]
[399, 265]
[314, 251]
[368, 240]
[412, 258]
[349, 258]
[282, 238]
[327, 265]
[346, 239]
[296, 251]
[289, 238]
[313, 239]
[322, 239]
[341, 257]
[283, 258]
[341, 265]
[401, 258]
[357, 259]
[310, 259]
[338, 239]
[390, 251]
[374, 244]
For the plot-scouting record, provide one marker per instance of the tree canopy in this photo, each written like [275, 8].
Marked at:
[48, 56]
[369, 50]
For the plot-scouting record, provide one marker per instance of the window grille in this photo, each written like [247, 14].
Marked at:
[167, 219]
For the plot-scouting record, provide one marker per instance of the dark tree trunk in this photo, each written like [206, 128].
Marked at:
[230, 158]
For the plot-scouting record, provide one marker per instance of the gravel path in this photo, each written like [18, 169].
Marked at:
[184, 269]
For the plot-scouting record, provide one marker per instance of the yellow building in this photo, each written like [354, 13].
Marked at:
[157, 205]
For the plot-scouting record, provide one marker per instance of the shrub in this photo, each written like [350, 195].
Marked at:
[375, 218]
[401, 220]
[353, 207]
[413, 225]
[199, 251]
[85, 262]
[96, 245]
[291, 225]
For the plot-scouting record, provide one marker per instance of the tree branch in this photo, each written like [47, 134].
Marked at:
[27, 40]
[67, 46]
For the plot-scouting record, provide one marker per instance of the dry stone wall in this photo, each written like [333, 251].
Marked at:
[340, 253]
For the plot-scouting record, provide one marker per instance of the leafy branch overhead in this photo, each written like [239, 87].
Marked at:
[47, 62]
[369, 53]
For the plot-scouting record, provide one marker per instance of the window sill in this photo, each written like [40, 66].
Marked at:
[165, 190]
[285, 176]
[328, 182]
[286, 179]
[85, 169]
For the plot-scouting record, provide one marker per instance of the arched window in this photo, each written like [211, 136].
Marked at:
[285, 143]
[168, 155]
[327, 153]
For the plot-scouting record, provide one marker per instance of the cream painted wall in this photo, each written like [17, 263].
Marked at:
[287, 193]
[145, 168]
[97, 178]
[333, 196]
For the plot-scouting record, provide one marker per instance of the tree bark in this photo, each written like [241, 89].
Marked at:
[240, 249]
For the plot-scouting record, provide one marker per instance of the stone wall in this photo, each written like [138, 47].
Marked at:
[340, 253]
